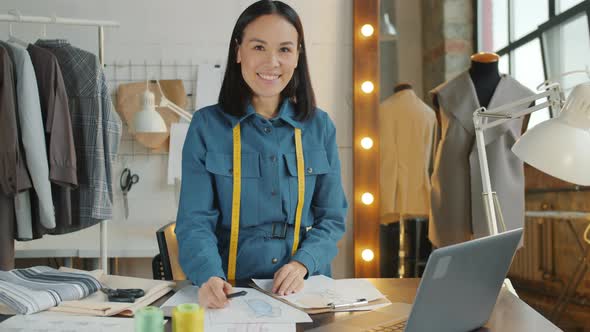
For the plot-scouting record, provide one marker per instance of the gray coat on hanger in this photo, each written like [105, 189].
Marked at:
[457, 210]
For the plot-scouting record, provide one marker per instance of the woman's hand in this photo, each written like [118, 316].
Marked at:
[212, 294]
[289, 278]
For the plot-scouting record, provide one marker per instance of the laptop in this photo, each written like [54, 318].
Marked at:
[458, 290]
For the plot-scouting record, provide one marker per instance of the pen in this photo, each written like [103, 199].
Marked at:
[353, 304]
[232, 295]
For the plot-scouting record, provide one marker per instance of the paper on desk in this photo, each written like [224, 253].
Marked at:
[251, 327]
[319, 291]
[187, 294]
[256, 307]
[177, 135]
[47, 321]
[253, 308]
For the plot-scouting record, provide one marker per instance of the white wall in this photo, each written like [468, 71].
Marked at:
[198, 31]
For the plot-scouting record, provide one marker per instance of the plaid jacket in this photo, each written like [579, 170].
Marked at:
[97, 131]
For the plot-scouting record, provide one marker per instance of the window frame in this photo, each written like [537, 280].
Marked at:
[554, 21]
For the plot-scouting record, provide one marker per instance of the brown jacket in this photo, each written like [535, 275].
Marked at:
[59, 139]
[13, 174]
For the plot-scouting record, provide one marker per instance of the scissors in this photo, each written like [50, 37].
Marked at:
[127, 181]
[123, 295]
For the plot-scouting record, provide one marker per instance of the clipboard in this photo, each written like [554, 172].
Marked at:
[342, 307]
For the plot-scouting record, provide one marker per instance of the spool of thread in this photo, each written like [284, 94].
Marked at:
[187, 318]
[149, 319]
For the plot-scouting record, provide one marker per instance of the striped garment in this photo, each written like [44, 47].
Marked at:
[27, 291]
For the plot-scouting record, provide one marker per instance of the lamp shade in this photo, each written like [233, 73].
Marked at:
[148, 120]
[560, 146]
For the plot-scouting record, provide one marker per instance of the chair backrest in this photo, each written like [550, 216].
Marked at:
[170, 267]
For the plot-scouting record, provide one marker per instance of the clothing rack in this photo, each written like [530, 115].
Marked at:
[14, 16]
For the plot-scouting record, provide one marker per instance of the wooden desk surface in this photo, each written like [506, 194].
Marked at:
[510, 312]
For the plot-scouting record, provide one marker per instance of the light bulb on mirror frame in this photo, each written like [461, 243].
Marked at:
[367, 87]
[367, 255]
[367, 30]
[367, 198]
[366, 143]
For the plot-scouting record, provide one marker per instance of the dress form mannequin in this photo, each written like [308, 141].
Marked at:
[485, 75]
[402, 86]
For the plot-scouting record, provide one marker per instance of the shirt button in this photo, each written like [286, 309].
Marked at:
[267, 130]
[309, 170]
[273, 159]
[274, 261]
[273, 193]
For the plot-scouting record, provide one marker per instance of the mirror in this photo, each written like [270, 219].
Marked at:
[391, 56]
[404, 168]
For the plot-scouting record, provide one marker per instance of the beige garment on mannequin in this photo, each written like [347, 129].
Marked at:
[407, 128]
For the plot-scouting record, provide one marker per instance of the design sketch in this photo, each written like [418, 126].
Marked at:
[321, 298]
[257, 327]
[261, 308]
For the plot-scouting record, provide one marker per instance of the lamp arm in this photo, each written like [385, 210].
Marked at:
[519, 108]
[165, 102]
[489, 208]
[548, 82]
[501, 115]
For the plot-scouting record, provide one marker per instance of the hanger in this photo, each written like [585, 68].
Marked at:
[485, 57]
[11, 37]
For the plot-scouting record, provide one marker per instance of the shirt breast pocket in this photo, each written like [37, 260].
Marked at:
[221, 166]
[315, 164]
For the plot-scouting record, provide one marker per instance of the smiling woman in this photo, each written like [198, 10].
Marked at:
[267, 62]
[261, 189]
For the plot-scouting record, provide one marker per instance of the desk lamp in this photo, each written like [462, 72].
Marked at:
[559, 146]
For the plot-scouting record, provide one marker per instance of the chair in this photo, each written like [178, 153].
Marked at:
[165, 265]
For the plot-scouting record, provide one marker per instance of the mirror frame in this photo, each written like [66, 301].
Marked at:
[365, 123]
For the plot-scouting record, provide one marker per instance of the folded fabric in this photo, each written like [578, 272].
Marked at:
[27, 291]
[97, 304]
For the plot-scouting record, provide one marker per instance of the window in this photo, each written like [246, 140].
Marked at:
[495, 15]
[537, 40]
[564, 5]
[503, 65]
[528, 70]
[527, 15]
[568, 49]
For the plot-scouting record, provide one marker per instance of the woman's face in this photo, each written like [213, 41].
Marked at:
[268, 55]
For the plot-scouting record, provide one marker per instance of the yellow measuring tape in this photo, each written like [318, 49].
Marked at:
[237, 183]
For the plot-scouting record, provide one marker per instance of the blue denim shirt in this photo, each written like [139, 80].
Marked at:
[268, 197]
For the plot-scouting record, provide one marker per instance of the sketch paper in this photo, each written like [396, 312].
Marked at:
[256, 307]
[178, 133]
[319, 291]
[209, 79]
[58, 322]
[250, 310]
[250, 327]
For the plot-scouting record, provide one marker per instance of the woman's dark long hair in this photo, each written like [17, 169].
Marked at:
[235, 93]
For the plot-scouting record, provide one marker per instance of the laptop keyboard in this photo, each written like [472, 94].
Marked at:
[391, 327]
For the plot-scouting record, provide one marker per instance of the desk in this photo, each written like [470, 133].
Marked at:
[510, 313]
